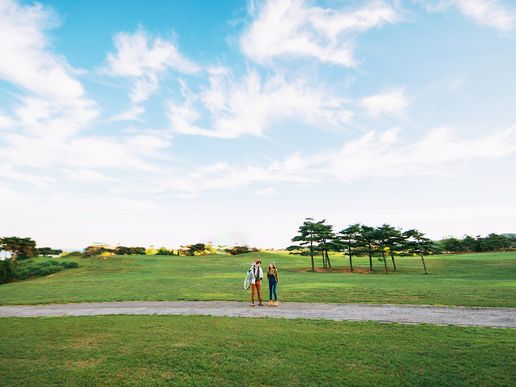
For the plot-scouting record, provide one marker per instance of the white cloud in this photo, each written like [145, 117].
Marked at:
[53, 119]
[385, 154]
[88, 152]
[142, 60]
[487, 13]
[26, 57]
[54, 100]
[248, 105]
[133, 114]
[291, 27]
[393, 101]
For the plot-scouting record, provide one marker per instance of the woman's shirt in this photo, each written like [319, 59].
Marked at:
[273, 274]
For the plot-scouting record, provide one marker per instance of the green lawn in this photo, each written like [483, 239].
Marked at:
[154, 350]
[475, 280]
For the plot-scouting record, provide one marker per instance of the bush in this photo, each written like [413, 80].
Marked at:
[124, 250]
[69, 265]
[164, 251]
[40, 269]
[7, 271]
[235, 250]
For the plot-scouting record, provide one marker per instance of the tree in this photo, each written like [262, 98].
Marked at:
[381, 236]
[367, 238]
[495, 242]
[46, 251]
[349, 239]
[451, 245]
[469, 243]
[326, 241]
[19, 247]
[393, 240]
[306, 239]
[196, 248]
[417, 243]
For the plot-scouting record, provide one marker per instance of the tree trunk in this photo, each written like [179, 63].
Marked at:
[424, 264]
[384, 260]
[328, 259]
[323, 259]
[312, 255]
[370, 258]
[350, 259]
[393, 262]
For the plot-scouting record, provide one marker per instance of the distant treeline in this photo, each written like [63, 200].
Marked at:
[478, 244]
[186, 250]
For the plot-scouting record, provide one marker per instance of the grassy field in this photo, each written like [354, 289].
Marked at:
[154, 350]
[474, 280]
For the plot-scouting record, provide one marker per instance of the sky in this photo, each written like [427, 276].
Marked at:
[176, 122]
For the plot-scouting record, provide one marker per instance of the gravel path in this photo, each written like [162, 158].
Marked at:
[409, 314]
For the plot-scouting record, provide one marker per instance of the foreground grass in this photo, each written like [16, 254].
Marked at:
[154, 350]
[471, 280]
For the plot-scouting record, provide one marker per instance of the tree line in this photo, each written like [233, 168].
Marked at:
[317, 238]
[185, 250]
[478, 244]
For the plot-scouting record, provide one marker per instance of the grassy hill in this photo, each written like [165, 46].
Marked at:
[471, 279]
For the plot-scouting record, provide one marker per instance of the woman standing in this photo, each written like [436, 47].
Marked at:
[273, 277]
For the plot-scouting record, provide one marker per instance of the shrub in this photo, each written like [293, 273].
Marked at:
[7, 271]
[123, 250]
[164, 251]
[40, 269]
[235, 250]
[69, 265]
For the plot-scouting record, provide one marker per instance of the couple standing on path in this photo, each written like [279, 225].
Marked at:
[256, 281]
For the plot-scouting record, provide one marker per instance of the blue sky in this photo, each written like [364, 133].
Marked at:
[231, 121]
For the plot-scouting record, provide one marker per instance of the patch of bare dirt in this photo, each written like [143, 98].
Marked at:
[80, 364]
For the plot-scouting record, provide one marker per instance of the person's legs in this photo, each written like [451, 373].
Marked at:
[274, 289]
[271, 285]
[258, 284]
[253, 288]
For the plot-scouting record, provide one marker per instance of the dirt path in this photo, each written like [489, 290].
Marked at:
[410, 314]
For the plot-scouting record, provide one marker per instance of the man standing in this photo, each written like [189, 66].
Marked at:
[256, 282]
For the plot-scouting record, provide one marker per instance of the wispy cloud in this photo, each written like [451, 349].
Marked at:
[295, 28]
[27, 60]
[383, 155]
[487, 13]
[392, 101]
[249, 105]
[143, 59]
[52, 100]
